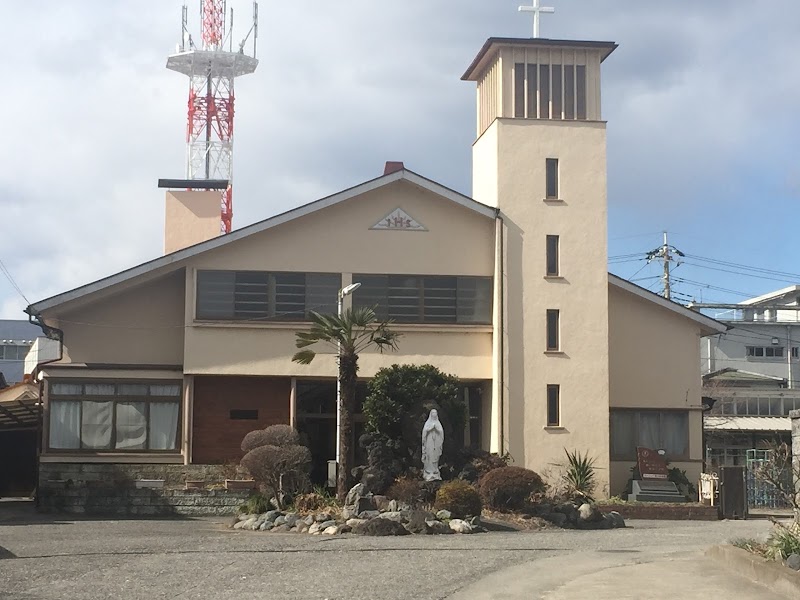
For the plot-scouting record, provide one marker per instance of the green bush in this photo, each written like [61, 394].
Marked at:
[783, 541]
[579, 476]
[406, 490]
[509, 488]
[398, 401]
[460, 498]
[256, 504]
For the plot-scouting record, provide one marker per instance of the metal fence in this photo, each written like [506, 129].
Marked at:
[761, 494]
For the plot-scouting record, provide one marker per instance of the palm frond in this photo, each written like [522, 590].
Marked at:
[304, 357]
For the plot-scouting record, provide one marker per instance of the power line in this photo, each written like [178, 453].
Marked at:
[13, 283]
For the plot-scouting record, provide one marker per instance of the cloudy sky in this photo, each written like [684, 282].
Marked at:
[701, 99]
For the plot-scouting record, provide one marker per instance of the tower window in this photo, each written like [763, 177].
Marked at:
[544, 91]
[553, 405]
[551, 168]
[552, 256]
[553, 341]
[549, 91]
[580, 84]
[519, 90]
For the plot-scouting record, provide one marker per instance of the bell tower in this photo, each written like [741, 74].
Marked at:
[540, 158]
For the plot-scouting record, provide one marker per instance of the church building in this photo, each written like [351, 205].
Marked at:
[170, 363]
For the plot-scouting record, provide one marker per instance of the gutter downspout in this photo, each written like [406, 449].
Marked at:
[789, 377]
[50, 333]
[500, 233]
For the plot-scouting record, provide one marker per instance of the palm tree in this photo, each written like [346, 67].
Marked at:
[352, 333]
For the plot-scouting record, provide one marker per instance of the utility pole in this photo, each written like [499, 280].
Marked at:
[667, 254]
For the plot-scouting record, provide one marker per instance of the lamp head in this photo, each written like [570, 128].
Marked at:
[349, 289]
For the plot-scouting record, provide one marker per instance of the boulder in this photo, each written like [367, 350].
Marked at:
[271, 515]
[281, 529]
[280, 520]
[369, 514]
[381, 527]
[460, 526]
[589, 513]
[418, 521]
[393, 506]
[438, 528]
[793, 562]
[556, 518]
[322, 517]
[332, 530]
[249, 523]
[291, 519]
[239, 525]
[393, 516]
[314, 528]
[616, 519]
[325, 524]
[353, 523]
[301, 527]
[444, 515]
[357, 491]
[266, 526]
[381, 502]
[309, 520]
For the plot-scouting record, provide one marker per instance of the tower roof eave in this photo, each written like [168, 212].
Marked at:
[473, 71]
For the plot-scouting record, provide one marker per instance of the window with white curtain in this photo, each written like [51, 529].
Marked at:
[114, 417]
[657, 430]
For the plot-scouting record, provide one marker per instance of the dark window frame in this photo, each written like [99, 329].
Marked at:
[552, 256]
[552, 179]
[115, 399]
[553, 405]
[553, 330]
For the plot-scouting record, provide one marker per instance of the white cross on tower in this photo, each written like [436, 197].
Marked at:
[537, 12]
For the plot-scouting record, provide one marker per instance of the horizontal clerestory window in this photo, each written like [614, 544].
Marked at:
[114, 417]
[426, 298]
[262, 295]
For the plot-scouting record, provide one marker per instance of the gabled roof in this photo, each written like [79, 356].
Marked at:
[710, 326]
[280, 219]
[792, 289]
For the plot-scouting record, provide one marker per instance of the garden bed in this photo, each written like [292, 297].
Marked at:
[769, 573]
[663, 511]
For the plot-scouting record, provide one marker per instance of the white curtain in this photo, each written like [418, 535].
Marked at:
[65, 424]
[66, 389]
[131, 426]
[649, 430]
[623, 433]
[99, 389]
[165, 390]
[163, 425]
[96, 425]
[676, 434]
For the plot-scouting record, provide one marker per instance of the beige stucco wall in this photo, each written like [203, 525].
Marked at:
[581, 294]
[140, 324]
[654, 363]
[190, 217]
[339, 239]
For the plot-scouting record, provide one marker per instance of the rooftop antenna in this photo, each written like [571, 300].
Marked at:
[212, 71]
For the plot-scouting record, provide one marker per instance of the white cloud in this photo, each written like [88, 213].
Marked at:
[92, 118]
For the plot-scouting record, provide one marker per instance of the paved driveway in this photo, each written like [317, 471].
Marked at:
[49, 559]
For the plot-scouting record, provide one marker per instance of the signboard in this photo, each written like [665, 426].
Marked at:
[651, 464]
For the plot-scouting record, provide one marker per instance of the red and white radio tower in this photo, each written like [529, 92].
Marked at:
[212, 70]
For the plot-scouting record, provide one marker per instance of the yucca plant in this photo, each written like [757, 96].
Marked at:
[783, 541]
[579, 477]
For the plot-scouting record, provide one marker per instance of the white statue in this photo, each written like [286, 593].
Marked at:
[432, 440]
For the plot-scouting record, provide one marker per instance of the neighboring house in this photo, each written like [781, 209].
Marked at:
[173, 361]
[19, 423]
[752, 375]
[16, 338]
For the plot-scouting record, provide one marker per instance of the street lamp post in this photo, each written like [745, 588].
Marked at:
[342, 294]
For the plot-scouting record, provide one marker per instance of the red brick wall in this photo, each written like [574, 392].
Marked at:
[216, 437]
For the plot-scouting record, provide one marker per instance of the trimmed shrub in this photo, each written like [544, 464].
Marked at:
[509, 488]
[406, 490]
[256, 504]
[460, 498]
[274, 435]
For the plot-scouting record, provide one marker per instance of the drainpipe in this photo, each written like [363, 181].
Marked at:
[50, 333]
[789, 377]
[500, 233]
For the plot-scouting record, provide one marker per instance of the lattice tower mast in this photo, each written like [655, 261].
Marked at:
[212, 71]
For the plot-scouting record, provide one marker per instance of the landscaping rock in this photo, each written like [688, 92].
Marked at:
[589, 513]
[393, 506]
[793, 562]
[418, 521]
[381, 502]
[460, 526]
[443, 515]
[323, 516]
[246, 516]
[309, 520]
[239, 525]
[271, 515]
[556, 518]
[324, 525]
[280, 520]
[393, 516]
[314, 528]
[353, 523]
[381, 527]
[281, 529]
[291, 519]
[357, 491]
[266, 526]
[369, 514]
[438, 528]
[332, 530]
[301, 527]
[248, 524]
[617, 521]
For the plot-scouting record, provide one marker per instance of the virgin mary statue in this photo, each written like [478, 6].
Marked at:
[432, 440]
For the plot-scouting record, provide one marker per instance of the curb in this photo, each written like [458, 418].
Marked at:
[772, 575]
